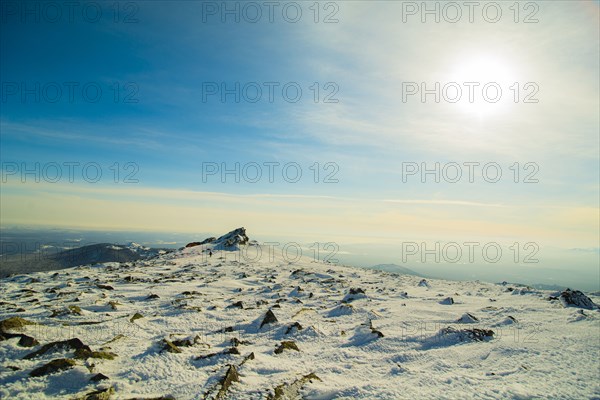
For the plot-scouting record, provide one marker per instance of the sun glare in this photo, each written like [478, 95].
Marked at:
[483, 85]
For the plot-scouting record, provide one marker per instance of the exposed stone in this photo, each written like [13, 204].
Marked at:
[237, 304]
[136, 316]
[292, 390]
[576, 298]
[83, 354]
[27, 341]
[286, 345]
[295, 325]
[230, 377]
[105, 287]
[53, 366]
[477, 335]
[71, 344]
[14, 323]
[447, 301]
[170, 347]
[269, 318]
[99, 377]
[102, 394]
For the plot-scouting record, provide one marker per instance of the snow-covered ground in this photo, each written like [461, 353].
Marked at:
[360, 333]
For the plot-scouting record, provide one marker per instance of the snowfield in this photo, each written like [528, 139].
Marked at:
[185, 325]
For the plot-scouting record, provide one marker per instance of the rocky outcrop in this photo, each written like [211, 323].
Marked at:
[71, 344]
[576, 298]
[232, 239]
[53, 366]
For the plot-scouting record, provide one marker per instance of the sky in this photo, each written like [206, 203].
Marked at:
[312, 121]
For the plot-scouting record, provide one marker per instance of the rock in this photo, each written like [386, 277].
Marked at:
[170, 347]
[247, 358]
[14, 323]
[236, 237]
[102, 394]
[354, 294]
[448, 301]
[576, 298]
[292, 390]
[269, 318]
[71, 344]
[235, 342]
[423, 283]
[477, 335]
[295, 325]
[114, 304]
[375, 331]
[27, 341]
[83, 354]
[53, 366]
[230, 377]
[237, 304]
[136, 316]
[75, 310]
[98, 378]
[467, 319]
[286, 345]
[231, 350]
[187, 342]
[153, 296]
[205, 241]
[105, 287]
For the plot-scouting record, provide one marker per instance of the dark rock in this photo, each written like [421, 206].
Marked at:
[269, 318]
[14, 323]
[236, 237]
[98, 378]
[71, 344]
[27, 341]
[83, 354]
[170, 347]
[247, 358]
[292, 390]
[356, 291]
[286, 345]
[576, 298]
[477, 335]
[235, 342]
[187, 342]
[237, 304]
[295, 325]
[105, 287]
[136, 316]
[230, 377]
[205, 241]
[231, 350]
[153, 296]
[53, 366]
[102, 394]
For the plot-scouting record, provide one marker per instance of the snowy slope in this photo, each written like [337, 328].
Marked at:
[362, 333]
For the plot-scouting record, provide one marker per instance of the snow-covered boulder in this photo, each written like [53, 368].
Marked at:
[576, 298]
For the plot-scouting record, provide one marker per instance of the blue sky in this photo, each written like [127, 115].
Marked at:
[168, 53]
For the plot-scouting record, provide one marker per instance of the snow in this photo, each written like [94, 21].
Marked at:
[540, 349]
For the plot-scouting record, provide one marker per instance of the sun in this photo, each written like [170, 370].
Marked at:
[481, 85]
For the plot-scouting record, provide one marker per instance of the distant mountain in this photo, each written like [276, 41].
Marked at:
[399, 269]
[91, 254]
